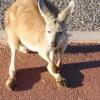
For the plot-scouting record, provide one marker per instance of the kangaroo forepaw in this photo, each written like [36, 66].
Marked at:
[11, 84]
[62, 82]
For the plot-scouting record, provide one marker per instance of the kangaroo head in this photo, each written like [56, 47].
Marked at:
[54, 25]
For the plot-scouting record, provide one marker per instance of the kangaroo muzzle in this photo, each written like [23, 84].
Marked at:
[53, 44]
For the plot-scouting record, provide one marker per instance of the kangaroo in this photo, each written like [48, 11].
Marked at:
[38, 26]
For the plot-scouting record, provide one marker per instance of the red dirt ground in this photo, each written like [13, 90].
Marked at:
[81, 67]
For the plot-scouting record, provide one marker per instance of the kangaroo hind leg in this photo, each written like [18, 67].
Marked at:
[11, 82]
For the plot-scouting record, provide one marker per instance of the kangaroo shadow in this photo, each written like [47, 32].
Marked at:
[82, 49]
[26, 78]
[72, 72]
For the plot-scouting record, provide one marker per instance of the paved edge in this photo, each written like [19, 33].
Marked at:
[84, 37]
[74, 37]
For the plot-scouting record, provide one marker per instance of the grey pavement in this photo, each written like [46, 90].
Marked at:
[74, 36]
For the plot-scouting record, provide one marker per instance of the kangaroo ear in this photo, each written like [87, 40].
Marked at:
[44, 10]
[66, 12]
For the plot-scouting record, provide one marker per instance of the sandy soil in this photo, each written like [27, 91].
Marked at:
[81, 67]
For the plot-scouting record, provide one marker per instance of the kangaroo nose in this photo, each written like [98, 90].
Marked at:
[53, 44]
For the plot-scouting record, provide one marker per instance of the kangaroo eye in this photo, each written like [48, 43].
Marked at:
[49, 31]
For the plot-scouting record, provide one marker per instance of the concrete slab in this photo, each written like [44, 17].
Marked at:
[84, 37]
[3, 35]
[74, 36]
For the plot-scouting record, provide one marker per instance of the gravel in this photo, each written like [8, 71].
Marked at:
[86, 15]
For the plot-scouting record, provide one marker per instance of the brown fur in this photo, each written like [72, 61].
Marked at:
[20, 21]
[24, 20]
[38, 26]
